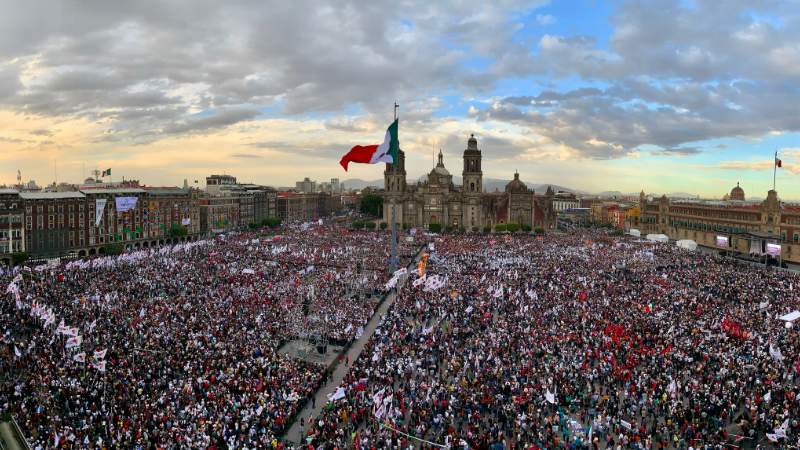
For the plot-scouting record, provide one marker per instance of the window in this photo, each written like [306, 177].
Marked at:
[472, 187]
[795, 237]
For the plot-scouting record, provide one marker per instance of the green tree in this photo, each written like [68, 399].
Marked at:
[512, 227]
[271, 222]
[539, 230]
[113, 249]
[384, 225]
[500, 227]
[252, 226]
[370, 225]
[19, 257]
[435, 228]
[176, 231]
[371, 204]
[526, 228]
[358, 225]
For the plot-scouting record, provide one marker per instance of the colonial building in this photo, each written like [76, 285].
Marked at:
[438, 200]
[741, 226]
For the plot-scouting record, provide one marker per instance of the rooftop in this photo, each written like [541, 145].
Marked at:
[113, 191]
[50, 195]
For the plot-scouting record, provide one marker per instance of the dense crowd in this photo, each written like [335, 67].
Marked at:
[575, 341]
[178, 347]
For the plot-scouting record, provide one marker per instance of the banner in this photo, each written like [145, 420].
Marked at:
[99, 207]
[186, 221]
[125, 203]
[722, 241]
[774, 249]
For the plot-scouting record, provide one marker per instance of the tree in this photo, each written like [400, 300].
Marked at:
[526, 228]
[252, 225]
[384, 225]
[177, 231]
[271, 222]
[370, 225]
[358, 225]
[539, 230]
[19, 257]
[500, 227]
[113, 249]
[371, 204]
[487, 229]
[435, 228]
[512, 227]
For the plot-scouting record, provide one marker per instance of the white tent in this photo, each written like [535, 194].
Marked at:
[658, 238]
[635, 232]
[687, 244]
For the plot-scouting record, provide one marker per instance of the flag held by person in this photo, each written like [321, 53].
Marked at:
[373, 154]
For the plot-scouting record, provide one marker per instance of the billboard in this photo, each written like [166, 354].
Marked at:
[722, 241]
[773, 249]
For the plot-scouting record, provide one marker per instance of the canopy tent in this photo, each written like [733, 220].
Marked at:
[687, 244]
[658, 238]
[635, 232]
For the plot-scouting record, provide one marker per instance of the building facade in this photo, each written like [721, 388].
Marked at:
[438, 200]
[742, 226]
[12, 231]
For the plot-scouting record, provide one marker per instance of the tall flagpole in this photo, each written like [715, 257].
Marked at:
[774, 169]
[393, 261]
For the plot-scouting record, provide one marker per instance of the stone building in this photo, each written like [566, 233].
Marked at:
[438, 200]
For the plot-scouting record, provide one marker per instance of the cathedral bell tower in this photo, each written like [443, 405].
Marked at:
[394, 177]
[472, 174]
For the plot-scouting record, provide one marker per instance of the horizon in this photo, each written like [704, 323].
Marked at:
[595, 96]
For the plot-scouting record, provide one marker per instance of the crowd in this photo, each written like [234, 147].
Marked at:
[179, 347]
[574, 341]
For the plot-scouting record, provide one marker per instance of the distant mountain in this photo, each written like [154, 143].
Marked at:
[358, 184]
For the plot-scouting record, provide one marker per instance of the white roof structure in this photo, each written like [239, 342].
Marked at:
[635, 232]
[687, 244]
[49, 195]
[658, 238]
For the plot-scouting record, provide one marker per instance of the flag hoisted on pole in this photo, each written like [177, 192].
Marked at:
[376, 153]
[777, 163]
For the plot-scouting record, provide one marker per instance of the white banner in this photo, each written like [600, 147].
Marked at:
[186, 221]
[125, 203]
[99, 207]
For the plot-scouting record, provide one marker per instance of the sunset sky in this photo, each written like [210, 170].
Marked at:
[664, 96]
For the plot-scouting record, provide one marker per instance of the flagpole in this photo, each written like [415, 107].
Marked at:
[774, 169]
[393, 258]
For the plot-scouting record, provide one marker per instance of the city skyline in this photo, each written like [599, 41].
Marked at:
[591, 95]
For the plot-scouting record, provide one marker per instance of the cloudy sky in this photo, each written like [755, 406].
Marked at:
[659, 95]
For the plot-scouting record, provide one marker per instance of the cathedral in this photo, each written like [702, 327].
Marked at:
[438, 200]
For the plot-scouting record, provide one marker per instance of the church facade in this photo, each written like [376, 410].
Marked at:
[438, 200]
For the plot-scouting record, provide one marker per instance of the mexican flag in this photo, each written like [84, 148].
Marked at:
[374, 154]
[106, 172]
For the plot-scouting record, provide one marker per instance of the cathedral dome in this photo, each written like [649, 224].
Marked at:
[516, 185]
[737, 193]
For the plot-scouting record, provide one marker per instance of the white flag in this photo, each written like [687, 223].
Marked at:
[73, 342]
[80, 357]
[775, 352]
[100, 354]
[99, 365]
[17, 352]
[336, 395]
[550, 397]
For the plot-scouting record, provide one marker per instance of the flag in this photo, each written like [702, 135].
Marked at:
[106, 172]
[775, 353]
[74, 342]
[778, 162]
[99, 365]
[17, 352]
[374, 154]
[336, 395]
[80, 357]
[100, 354]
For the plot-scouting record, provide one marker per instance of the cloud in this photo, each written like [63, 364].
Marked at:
[245, 156]
[205, 124]
[677, 151]
[545, 19]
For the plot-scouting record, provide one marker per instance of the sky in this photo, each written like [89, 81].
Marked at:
[662, 96]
